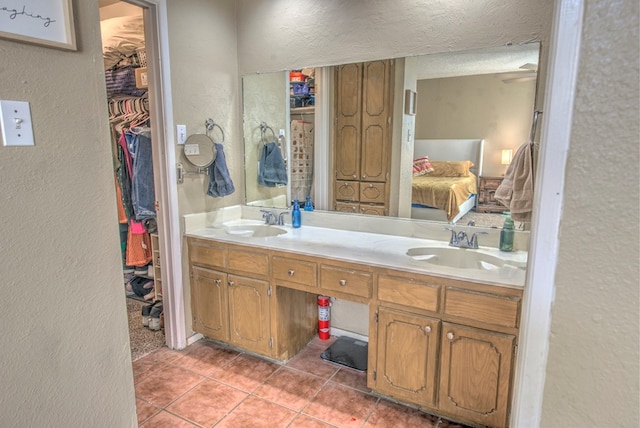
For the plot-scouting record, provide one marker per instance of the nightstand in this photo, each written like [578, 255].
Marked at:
[486, 195]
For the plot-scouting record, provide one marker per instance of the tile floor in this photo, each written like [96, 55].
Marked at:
[209, 385]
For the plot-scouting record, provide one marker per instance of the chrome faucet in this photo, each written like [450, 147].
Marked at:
[269, 217]
[461, 239]
[281, 218]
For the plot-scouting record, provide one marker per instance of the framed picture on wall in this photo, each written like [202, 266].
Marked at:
[42, 22]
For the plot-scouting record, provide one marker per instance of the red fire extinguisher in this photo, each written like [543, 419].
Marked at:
[324, 317]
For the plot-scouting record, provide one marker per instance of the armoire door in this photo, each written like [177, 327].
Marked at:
[348, 121]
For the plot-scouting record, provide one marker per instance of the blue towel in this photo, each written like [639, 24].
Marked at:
[272, 170]
[220, 183]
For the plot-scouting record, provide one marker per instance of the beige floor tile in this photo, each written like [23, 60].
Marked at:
[290, 388]
[207, 403]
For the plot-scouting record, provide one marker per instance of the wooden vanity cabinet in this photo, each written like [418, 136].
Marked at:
[445, 345]
[475, 374]
[407, 352]
[209, 303]
[230, 294]
[248, 301]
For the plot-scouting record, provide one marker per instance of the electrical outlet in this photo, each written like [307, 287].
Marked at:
[15, 119]
[181, 130]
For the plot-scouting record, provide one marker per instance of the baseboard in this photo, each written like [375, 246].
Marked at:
[339, 332]
[193, 339]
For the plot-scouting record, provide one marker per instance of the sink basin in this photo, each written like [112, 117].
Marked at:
[255, 230]
[457, 258]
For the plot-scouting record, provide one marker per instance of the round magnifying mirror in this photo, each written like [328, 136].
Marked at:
[199, 150]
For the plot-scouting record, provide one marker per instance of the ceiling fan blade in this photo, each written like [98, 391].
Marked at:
[529, 66]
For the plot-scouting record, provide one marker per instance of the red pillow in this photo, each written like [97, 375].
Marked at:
[422, 166]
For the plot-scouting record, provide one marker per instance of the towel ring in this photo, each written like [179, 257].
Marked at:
[210, 125]
[263, 131]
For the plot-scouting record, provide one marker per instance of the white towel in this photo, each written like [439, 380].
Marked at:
[516, 190]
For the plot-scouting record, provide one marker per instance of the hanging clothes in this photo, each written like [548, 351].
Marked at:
[142, 188]
[220, 183]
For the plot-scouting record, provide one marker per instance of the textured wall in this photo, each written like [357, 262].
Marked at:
[592, 372]
[204, 84]
[477, 106]
[65, 358]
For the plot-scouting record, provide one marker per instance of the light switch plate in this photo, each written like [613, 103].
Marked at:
[15, 120]
[181, 130]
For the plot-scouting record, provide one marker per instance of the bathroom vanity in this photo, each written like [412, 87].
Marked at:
[439, 338]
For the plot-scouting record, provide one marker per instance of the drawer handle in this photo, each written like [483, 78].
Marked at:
[218, 282]
[343, 282]
[231, 283]
[450, 336]
[427, 329]
[291, 272]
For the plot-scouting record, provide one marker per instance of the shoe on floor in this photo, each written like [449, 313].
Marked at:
[141, 270]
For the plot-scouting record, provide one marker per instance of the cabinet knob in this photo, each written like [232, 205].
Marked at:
[343, 282]
[450, 336]
[355, 176]
[370, 185]
[231, 283]
[427, 329]
[218, 282]
[364, 177]
[291, 272]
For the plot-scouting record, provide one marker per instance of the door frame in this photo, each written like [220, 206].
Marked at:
[164, 161]
[543, 253]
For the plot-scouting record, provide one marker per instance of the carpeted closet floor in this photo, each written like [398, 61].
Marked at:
[143, 340]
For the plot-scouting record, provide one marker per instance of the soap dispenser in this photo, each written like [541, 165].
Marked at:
[295, 214]
[308, 205]
[506, 234]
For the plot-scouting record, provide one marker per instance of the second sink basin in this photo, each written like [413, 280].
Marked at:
[255, 230]
[456, 258]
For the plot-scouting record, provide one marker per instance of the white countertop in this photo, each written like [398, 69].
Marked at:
[382, 250]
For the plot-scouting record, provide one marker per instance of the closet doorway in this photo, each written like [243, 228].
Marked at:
[131, 38]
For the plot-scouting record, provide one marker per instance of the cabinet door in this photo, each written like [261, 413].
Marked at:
[348, 121]
[475, 374]
[209, 303]
[407, 355]
[249, 313]
[376, 120]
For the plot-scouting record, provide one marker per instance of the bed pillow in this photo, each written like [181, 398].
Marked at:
[450, 168]
[422, 166]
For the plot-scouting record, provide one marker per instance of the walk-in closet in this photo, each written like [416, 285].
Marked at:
[125, 64]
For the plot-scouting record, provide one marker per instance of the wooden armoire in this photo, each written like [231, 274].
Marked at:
[362, 137]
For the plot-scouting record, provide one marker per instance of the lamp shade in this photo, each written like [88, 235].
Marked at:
[506, 156]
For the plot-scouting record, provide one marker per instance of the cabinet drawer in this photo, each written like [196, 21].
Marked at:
[345, 280]
[297, 271]
[490, 183]
[251, 262]
[371, 209]
[408, 292]
[372, 193]
[207, 255]
[347, 207]
[347, 190]
[485, 307]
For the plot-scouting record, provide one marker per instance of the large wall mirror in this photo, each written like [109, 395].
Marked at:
[486, 94]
